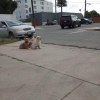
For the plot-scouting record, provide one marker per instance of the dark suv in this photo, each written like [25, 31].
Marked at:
[70, 21]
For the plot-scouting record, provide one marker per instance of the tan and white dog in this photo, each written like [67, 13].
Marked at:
[25, 44]
[36, 43]
[32, 40]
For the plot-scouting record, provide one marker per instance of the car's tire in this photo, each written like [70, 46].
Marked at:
[30, 36]
[73, 26]
[11, 35]
[79, 25]
[69, 26]
[62, 27]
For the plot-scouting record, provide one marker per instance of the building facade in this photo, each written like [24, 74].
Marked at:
[24, 8]
[43, 16]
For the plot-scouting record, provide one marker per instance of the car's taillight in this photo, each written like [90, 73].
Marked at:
[60, 21]
[71, 20]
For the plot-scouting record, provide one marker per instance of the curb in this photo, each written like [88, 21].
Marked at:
[93, 29]
[96, 29]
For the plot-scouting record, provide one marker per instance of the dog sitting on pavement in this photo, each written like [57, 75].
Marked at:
[36, 43]
[25, 44]
[32, 40]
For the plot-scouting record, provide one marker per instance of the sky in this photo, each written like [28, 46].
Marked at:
[75, 5]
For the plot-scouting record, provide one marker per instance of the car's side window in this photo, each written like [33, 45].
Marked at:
[2, 25]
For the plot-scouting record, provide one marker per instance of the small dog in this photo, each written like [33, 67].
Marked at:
[36, 43]
[32, 40]
[25, 45]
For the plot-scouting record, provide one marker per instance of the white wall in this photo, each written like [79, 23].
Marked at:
[7, 17]
[48, 6]
[21, 9]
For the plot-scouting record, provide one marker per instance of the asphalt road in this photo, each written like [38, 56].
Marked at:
[76, 37]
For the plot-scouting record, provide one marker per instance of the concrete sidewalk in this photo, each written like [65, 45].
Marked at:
[51, 73]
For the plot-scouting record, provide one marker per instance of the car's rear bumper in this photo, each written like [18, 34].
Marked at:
[65, 24]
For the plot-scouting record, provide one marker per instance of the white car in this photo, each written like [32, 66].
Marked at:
[15, 29]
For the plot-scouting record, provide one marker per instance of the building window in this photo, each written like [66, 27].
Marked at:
[34, 7]
[42, 3]
[26, 6]
[42, 8]
[34, 2]
[27, 16]
[25, 1]
[20, 14]
[26, 11]
[18, 1]
[30, 10]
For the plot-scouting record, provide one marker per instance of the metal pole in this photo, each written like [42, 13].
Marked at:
[55, 10]
[85, 9]
[33, 13]
[55, 6]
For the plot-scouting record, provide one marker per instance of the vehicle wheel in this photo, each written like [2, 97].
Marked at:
[30, 36]
[79, 25]
[62, 27]
[11, 35]
[87, 23]
[73, 26]
[69, 26]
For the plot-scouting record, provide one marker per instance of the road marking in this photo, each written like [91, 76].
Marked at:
[39, 28]
[93, 28]
[78, 31]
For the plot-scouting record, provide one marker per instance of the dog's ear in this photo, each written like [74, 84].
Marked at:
[24, 38]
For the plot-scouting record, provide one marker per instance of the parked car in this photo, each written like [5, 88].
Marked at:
[70, 21]
[50, 23]
[15, 29]
[86, 21]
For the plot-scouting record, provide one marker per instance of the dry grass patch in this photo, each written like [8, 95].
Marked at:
[8, 40]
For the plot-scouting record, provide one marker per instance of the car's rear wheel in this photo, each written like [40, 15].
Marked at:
[79, 25]
[62, 27]
[69, 26]
[73, 26]
[11, 35]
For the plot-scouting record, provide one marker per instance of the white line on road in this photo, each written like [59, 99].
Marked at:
[78, 31]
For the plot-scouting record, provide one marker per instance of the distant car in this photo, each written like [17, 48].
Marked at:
[70, 21]
[15, 29]
[86, 21]
[50, 23]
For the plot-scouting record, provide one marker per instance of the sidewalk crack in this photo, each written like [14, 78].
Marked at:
[66, 95]
[20, 88]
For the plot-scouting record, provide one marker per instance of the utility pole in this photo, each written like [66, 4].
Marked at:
[85, 9]
[33, 24]
[55, 6]
[61, 7]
